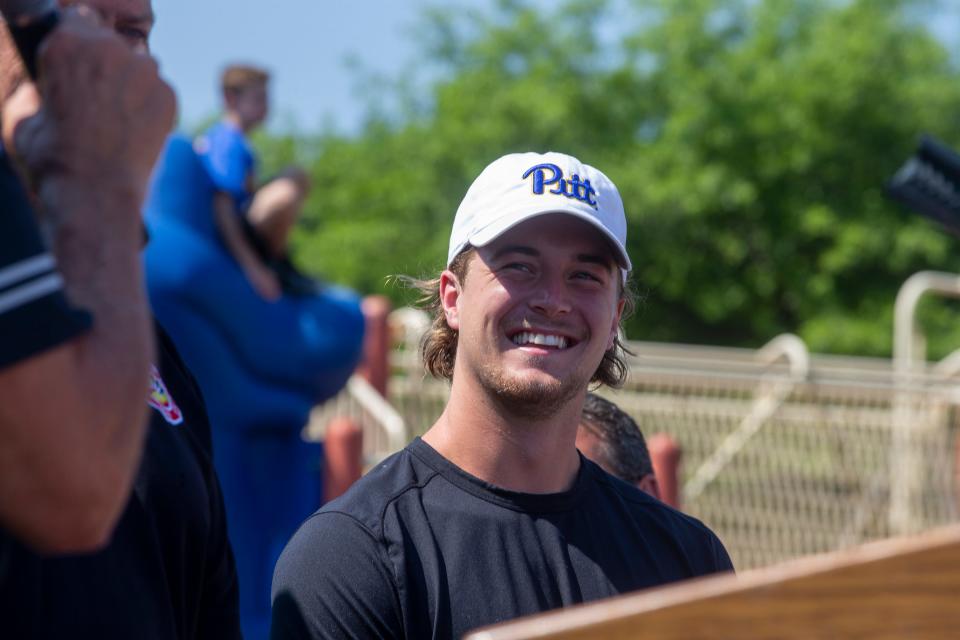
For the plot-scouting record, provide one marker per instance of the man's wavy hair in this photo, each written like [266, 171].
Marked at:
[439, 344]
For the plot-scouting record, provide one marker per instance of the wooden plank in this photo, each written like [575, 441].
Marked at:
[901, 588]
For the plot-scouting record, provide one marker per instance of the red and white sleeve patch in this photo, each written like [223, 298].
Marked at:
[160, 399]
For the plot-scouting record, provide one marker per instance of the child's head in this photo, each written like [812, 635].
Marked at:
[245, 94]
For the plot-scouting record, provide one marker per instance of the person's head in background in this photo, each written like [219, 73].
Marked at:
[611, 438]
[245, 99]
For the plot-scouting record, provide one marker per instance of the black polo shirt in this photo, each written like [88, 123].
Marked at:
[168, 572]
[34, 314]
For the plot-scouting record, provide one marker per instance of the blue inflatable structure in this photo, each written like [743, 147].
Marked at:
[261, 366]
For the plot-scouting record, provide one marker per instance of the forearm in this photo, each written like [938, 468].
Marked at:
[258, 274]
[73, 417]
[77, 412]
[228, 225]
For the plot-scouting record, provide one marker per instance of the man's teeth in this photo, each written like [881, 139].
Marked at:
[540, 339]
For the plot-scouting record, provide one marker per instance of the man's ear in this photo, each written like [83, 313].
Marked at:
[615, 327]
[450, 287]
[649, 484]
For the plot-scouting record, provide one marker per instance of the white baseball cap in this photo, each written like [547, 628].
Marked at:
[520, 186]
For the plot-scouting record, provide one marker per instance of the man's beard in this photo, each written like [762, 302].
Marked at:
[529, 399]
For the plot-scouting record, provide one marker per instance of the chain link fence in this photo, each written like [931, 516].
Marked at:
[785, 463]
[784, 454]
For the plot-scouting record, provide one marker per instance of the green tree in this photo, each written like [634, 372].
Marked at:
[779, 126]
[750, 141]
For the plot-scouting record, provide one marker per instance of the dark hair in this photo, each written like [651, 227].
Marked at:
[439, 344]
[622, 446]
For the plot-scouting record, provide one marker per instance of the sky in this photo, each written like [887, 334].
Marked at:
[306, 45]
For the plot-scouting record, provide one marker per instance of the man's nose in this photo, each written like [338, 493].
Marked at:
[551, 297]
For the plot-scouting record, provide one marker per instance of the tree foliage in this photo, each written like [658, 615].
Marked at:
[750, 140]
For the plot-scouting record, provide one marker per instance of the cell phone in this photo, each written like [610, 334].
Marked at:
[29, 22]
[929, 183]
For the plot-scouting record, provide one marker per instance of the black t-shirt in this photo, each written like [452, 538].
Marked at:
[420, 549]
[168, 572]
[34, 314]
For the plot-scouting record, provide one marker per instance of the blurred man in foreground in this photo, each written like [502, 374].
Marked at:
[610, 437]
[167, 571]
[494, 514]
[75, 333]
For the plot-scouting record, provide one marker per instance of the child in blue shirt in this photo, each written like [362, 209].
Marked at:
[254, 223]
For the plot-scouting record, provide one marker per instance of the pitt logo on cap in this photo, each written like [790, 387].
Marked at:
[547, 174]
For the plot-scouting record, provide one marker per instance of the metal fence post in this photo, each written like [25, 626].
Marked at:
[907, 464]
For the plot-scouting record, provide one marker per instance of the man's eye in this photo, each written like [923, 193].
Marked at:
[517, 266]
[586, 275]
[135, 37]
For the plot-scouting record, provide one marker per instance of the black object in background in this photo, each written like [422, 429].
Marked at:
[29, 22]
[929, 183]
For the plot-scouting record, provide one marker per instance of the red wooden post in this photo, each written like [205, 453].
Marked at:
[665, 454]
[343, 450]
[375, 366]
[956, 472]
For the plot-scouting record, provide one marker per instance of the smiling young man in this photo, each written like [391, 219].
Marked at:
[494, 514]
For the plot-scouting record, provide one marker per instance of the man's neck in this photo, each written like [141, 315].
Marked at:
[235, 120]
[513, 452]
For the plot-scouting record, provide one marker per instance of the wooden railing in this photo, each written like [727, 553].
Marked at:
[899, 588]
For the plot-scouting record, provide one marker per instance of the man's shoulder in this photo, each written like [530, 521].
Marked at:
[221, 136]
[345, 538]
[223, 130]
[366, 502]
[335, 577]
[176, 400]
[661, 521]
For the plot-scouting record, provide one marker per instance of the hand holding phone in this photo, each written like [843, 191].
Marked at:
[100, 116]
[29, 22]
